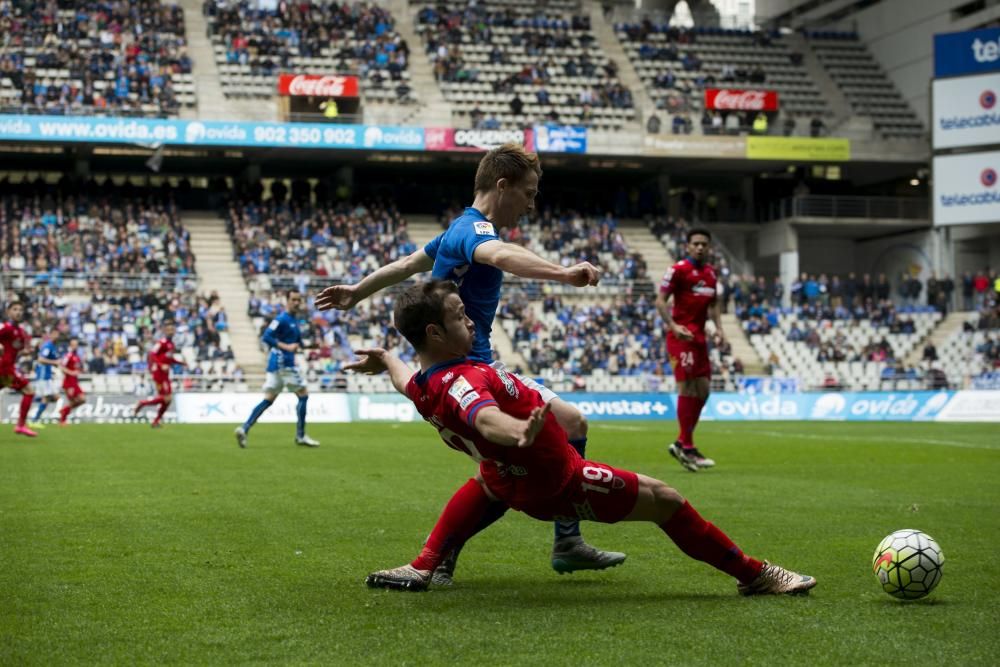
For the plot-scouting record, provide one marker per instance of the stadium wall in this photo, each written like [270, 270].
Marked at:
[231, 408]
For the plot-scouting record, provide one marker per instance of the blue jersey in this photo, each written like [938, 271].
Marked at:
[48, 352]
[283, 329]
[478, 284]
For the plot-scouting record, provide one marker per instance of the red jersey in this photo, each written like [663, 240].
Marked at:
[72, 362]
[449, 396]
[161, 358]
[693, 288]
[14, 340]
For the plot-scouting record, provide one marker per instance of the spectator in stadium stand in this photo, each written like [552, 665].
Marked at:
[681, 124]
[930, 352]
[980, 286]
[882, 288]
[850, 289]
[732, 123]
[760, 123]
[653, 124]
[788, 127]
[946, 287]
[968, 290]
[817, 128]
[867, 288]
[516, 105]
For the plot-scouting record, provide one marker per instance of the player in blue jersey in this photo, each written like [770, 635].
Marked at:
[471, 254]
[284, 339]
[46, 389]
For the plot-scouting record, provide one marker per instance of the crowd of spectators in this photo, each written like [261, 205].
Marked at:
[112, 57]
[55, 234]
[296, 238]
[543, 40]
[116, 329]
[361, 36]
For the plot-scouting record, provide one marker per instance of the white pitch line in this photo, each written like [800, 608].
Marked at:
[845, 438]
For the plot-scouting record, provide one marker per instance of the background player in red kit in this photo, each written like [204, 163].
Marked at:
[13, 341]
[71, 366]
[525, 459]
[686, 299]
[161, 358]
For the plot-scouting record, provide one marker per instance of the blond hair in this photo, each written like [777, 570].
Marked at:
[508, 161]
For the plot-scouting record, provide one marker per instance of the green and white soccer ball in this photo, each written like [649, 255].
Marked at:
[908, 564]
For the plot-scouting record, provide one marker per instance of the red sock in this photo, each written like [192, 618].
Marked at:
[702, 541]
[688, 411]
[22, 416]
[458, 521]
[64, 412]
[700, 405]
[164, 404]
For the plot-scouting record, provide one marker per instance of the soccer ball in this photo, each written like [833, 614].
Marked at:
[908, 564]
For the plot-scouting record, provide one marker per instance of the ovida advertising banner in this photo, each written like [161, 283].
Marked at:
[153, 132]
[966, 189]
[966, 112]
[970, 52]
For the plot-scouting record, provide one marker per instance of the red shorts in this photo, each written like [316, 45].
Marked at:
[13, 380]
[688, 358]
[595, 492]
[73, 391]
[163, 386]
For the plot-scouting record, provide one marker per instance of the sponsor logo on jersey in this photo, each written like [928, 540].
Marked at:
[701, 289]
[508, 383]
[484, 228]
[448, 377]
[467, 400]
[459, 388]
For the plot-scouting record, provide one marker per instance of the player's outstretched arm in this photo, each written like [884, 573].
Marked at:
[376, 360]
[512, 258]
[500, 428]
[664, 306]
[345, 297]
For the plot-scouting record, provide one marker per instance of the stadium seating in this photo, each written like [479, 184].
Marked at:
[252, 46]
[973, 353]
[865, 84]
[677, 65]
[95, 58]
[63, 236]
[508, 65]
[117, 329]
[282, 245]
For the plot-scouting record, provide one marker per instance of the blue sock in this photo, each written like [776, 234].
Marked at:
[41, 408]
[257, 412]
[300, 410]
[565, 529]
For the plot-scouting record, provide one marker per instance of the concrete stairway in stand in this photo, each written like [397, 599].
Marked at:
[945, 329]
[638, 238]
[742, 349]
[219, 272]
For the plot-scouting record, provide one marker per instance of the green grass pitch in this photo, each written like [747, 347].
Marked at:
[125, 545]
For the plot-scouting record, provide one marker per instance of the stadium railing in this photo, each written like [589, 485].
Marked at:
[26, 280]
[821, 206]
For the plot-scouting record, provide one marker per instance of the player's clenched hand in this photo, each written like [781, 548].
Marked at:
[682, 332]
[370, 362]
[533, 425]
[341, 297]
[583, 274]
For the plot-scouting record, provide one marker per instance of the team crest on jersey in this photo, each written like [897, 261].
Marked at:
[459, 388]
[484, 228]
[507, 382]
[448, 376]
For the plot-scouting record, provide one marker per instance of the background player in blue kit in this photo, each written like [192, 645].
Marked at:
[46, 389]
[471, 254]
[284, 339]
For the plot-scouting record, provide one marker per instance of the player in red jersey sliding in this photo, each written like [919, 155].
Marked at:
[161, 358]
[71, 367]
[525, 459]
[13, 341]
[686, 299]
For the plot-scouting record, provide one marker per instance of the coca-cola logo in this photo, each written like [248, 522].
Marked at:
[742, 100]
[313, 85]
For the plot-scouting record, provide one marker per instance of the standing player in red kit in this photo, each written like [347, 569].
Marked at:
[13, 341]
[689, 286]
[525, 459]
[71, 367]
[161, 358]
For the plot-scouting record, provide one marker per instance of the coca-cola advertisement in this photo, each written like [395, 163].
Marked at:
[317, 98]
[734, 99]
[317, 85]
